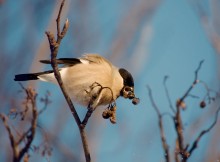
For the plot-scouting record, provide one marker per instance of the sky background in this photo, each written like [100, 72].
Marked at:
[150, 38]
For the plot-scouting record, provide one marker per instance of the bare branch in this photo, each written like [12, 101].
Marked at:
[162, 134]
[11, 137]
[176, 151]
[54, 46]
[195, 143]
[194, 82]
[167, 93]
[30, 136]
[86, 118]
[178, 120]
[58, 19]
[20, 151]
[179, 130]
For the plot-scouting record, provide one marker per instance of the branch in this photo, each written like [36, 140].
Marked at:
[162, 134]
[54, 46]
[178, 120]
[167, 93]
[194, 82]
[179, 130]
[11, 137]
[176, 151]
[30, 136]
[195, 143]
[87, 116]
[19, 151]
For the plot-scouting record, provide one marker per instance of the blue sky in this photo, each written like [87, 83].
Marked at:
[171, 42]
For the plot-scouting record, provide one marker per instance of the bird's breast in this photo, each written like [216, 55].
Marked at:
[85, 83]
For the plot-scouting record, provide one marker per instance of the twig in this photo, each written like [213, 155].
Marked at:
[194, 82]
[30, 136]
[54, 46]
[178, 120]
[162, 134]
[11, 137]
[195, 143]
[87, 116]
[167, 93]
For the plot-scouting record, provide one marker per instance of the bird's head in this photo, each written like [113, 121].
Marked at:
[128, 89]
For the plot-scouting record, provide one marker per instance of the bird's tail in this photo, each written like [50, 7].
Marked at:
[31, 76]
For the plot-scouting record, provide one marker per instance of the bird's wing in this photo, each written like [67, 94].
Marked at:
[85, 59]
[94, 58]
[64, 61]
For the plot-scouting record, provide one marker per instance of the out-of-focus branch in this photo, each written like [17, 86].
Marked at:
[32, 96]
[20, 151]
[54, 46]
[195, 143]
[11, 137]
[162, 134]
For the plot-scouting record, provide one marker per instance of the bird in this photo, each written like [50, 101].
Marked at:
[90, 80]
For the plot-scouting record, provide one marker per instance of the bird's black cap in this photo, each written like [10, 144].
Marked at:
[127, 77]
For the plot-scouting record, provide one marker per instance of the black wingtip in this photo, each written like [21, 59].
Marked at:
[25, 77]
[45, 61]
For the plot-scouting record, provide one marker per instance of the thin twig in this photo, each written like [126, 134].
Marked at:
[194, 82]
[195, 143]
[162, 134]
[30, 137]
[87, 116]
[167, 93]
[58, 20]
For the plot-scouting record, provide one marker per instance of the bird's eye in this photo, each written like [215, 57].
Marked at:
[127, 89]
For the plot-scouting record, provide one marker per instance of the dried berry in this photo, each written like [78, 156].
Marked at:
[135, 101]
[105, 114]
[202, 104]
